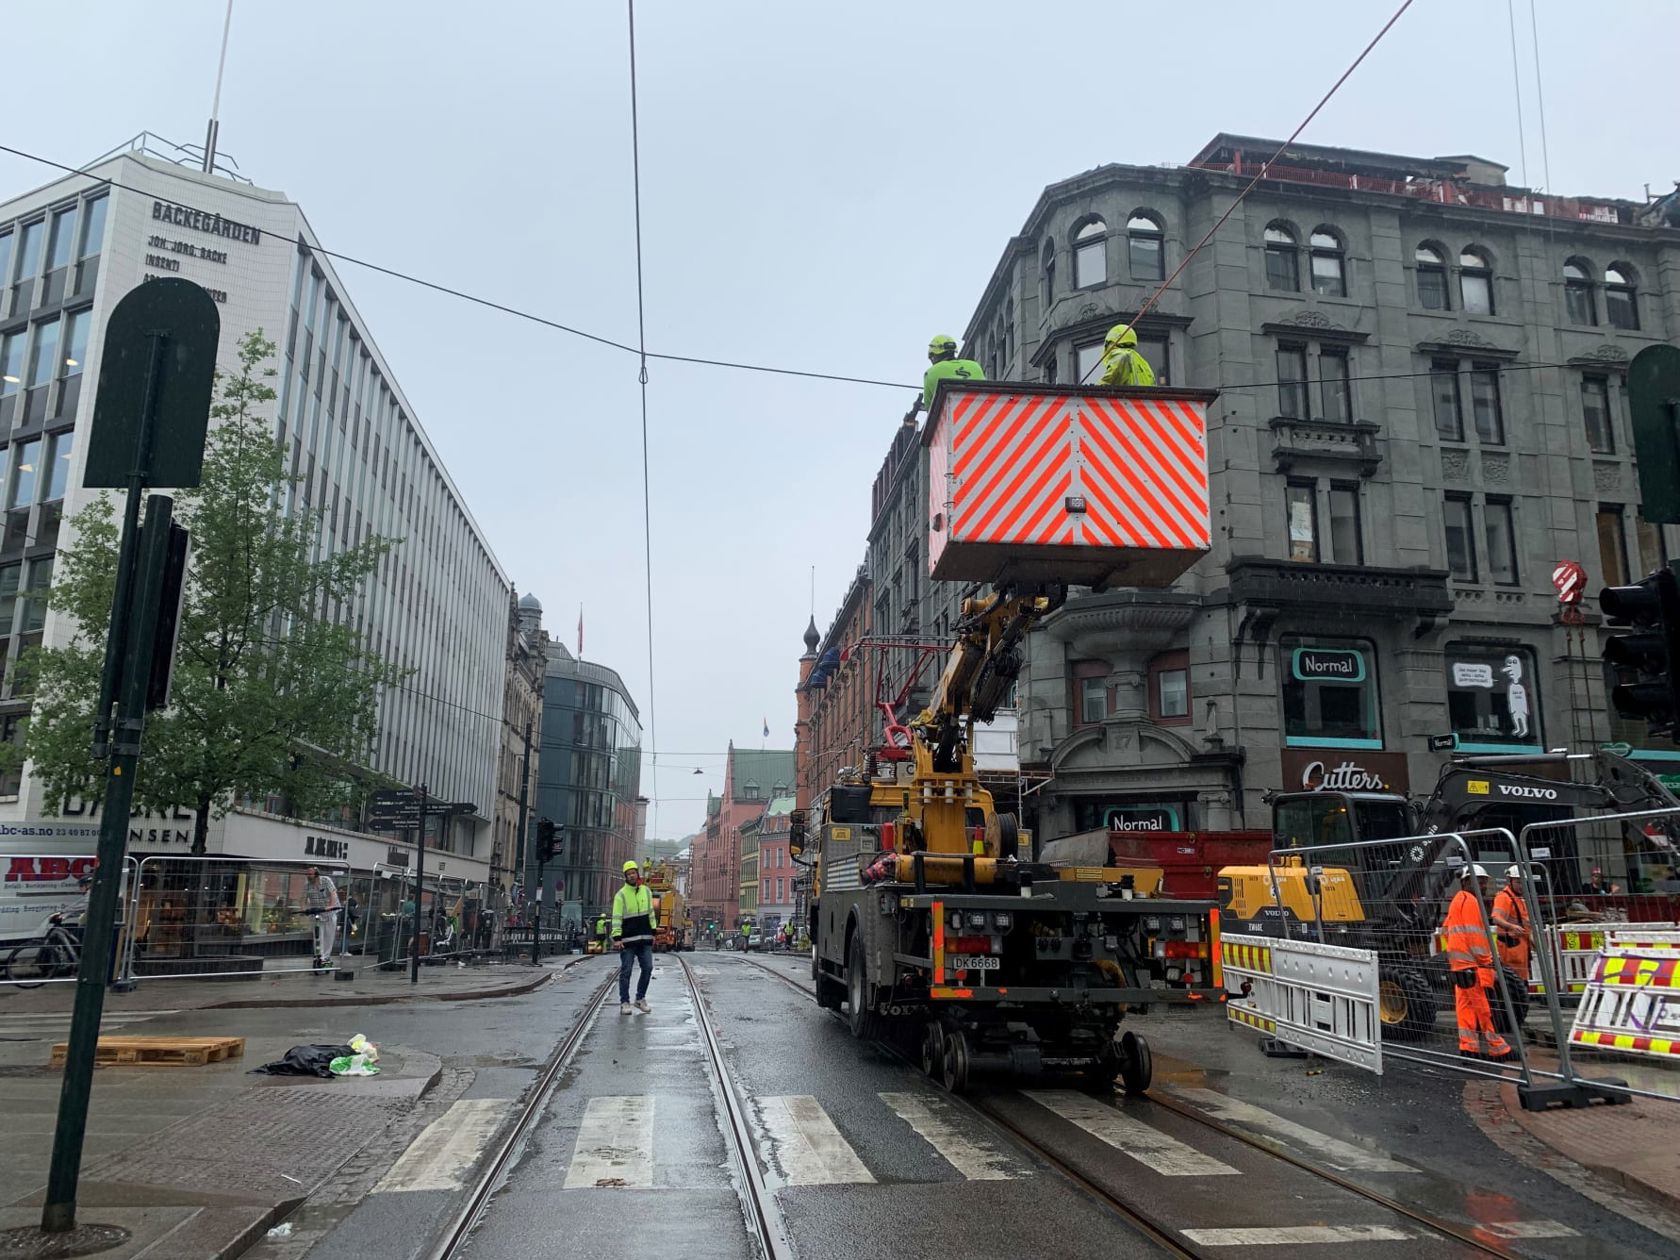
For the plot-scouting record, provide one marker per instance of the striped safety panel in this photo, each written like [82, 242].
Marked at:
[1245, 957]
[1252, 1019]
[1140, 466]
[1626, 1041]
[1623, 972]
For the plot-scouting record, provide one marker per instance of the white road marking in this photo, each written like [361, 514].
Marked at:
[1530, 1229]
[444, 1153]
[1334, 1151]
[936, 1120]
[614, 1144]
[809, 1148]
[1266, 1235]
[1149, 1146]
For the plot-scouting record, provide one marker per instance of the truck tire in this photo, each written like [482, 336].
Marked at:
[1137, 1065]
[1518, 986]
[865, 1024]
[1406, 1004]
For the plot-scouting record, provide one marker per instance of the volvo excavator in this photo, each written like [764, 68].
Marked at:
[930, 919]
[1396, 895]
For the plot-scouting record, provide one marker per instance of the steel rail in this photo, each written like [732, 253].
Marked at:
[756, 1196]
[1155, 1232]
[490, 1177]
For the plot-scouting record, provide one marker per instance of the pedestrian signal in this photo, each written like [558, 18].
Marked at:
[1643, 653]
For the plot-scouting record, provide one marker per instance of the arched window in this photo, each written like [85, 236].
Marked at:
[1432, 279]
[1144, 250]
[1475, 282]
[1090, 254]
[1329, 275]
[1282, 267]
[1578, 292]
[1047, 274]
[1621, 305]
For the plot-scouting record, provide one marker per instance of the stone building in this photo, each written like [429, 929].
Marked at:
[1422, 410]
[835, 694]
[751, 779]
[522, 706]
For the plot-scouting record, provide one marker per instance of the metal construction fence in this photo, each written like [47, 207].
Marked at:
[40, 918]
[1394, 911]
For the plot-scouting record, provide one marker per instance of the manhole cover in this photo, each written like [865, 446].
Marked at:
[29, 1243]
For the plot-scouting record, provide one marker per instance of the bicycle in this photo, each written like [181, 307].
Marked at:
[58, 953]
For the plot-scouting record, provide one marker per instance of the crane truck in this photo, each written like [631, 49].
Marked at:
[931, 921]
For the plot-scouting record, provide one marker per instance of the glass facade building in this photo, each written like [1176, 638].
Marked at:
[588, 778]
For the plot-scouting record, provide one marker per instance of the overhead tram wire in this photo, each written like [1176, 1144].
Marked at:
[641, 345]
[1261, 173]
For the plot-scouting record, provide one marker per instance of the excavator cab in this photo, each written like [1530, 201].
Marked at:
[1304, 819]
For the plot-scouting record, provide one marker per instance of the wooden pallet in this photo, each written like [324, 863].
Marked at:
[160, 1051]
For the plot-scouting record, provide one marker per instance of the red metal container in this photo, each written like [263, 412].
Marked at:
[1067, 484]
[1190, 860]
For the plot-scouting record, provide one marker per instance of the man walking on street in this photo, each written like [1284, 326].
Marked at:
[1509, 918]
[1464, 942]
[633, 924]
[320, 899]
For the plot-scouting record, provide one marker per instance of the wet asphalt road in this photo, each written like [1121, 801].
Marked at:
[865, 1158]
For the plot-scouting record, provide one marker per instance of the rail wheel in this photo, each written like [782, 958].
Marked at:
[933, 1050]
[1137, 1067]
[954, 1068]
[1108, 1065]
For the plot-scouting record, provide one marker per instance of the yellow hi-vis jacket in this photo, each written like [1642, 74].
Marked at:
[1123, 365]
[633, 915]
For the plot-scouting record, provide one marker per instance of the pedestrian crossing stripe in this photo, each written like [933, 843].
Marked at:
[1247, 957]
[1621, 971]
[1253, 1020]
[1626, 1041]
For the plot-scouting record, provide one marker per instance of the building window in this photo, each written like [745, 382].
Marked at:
[1449, 416]
[1621, 306]
[1595, 410]
[93, 240]
[1093, 700]
[11, 377]
[1090, 254]
[1492, 698]
[1484, 403]
[1282, 266]
[12, 728]
[1047, 274]
[28, 264]
[1335, 389]
[1612, 544]
[1292, 382]
[1501, 535]
[1653, 547]
[1578, 293]
[1086, 360]
[61, 241]
[1302, 500]
[1145, 254]
[1169, 687]
[1330, 694]
[43, 362]
[1432, 279]
[1475, 282]
[1346, 544]
[1154, 350]
[1329, 274]
[1461, 545]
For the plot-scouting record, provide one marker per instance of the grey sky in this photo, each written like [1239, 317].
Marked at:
[823, 187]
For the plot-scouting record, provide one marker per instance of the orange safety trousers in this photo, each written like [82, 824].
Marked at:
[1466, 947]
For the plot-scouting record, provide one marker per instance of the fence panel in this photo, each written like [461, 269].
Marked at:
[39, 889]
[1321, 998]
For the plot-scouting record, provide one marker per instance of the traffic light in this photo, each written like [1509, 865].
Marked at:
[546, 840]
[1644, 656]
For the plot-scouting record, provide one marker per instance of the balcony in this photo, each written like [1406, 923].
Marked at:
[1351, 444]
[1341, 592]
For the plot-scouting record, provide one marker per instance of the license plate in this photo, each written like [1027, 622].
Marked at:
[972, 962]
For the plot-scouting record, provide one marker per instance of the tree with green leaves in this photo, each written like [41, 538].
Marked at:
[272, 692]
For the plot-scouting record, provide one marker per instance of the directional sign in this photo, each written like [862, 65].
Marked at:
[397, 810]
[176, 322]
[446, 808]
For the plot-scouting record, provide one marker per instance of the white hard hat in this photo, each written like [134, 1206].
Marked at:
[1513, 871]
[1476, 869]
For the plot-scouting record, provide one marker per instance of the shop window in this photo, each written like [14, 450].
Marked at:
[1475, 282]
[1144, 252]
[1169, 687]
[1330, 693]
[1282, 263]
[1302, 500]
[1493, 698]
[1621, 305]
[1329, 263]
[1578, 302]
[1171, 814]
[1595, 413]
[1461, 536]
[1612, 544]
[1449, 414]
[1432, 278]
[1090, 254]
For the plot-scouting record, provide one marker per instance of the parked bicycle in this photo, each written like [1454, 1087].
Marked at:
[55, 955]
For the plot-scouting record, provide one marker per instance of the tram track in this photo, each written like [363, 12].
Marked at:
[1140, 1221]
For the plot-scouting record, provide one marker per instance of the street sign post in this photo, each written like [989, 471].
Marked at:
[155, 382]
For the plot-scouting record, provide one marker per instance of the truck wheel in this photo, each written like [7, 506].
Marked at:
[865, 1024]
[1518, 986]
[1405, 1004]
[954, 1069]
[1137, 1066]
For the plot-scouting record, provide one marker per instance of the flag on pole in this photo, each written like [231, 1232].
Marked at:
[766, 728]
[580, 632]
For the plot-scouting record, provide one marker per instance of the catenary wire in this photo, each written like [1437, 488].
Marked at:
[1260, 174]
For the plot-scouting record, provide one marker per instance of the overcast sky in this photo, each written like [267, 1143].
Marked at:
[823, 187]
